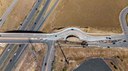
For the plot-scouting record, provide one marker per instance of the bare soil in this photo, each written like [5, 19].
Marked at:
[17, 16]
[4, 4]
[31, 61]
[98, 14]
[76, 56]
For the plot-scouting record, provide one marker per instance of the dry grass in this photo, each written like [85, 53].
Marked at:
[78, 55]
[101, 14]
[17, 15]
[91, 14]
[75, 57]
[4, 4]
[29, 61]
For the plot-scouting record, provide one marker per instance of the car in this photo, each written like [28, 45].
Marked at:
[19, 45]
[36, 8]
[10, 60]
[20, 24]
[0, 19]
[124, 41]
[15, 54]
[8, 50]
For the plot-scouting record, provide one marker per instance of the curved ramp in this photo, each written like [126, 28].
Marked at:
[123, 22]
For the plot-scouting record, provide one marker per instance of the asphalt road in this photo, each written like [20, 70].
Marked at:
[20, 51]
[120, 40]
[28, 18]
[104, 41]
[96, 64]
[7, 12]
[49, 56]
[14, 59]
[10, 47]
[122, 18]
[30, 15]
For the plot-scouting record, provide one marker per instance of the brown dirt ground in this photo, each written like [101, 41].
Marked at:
[98, 14]
[17, 15]
[4, 4]
[31, 62]
[77, 55]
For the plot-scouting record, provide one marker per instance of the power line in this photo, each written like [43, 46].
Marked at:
[63, 53]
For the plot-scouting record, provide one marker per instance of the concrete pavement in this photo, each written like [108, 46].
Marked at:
[23, 48]
[101, 41]
[49, 57]
[22, 27]
[30, 15]
[123, 22]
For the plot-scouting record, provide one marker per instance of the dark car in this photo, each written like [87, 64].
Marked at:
[0, 19]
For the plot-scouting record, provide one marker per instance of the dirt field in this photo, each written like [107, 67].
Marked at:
[31, 61]
[93, 15]
[98, 14]
[17, 15]
[76, 56]
[4, 5]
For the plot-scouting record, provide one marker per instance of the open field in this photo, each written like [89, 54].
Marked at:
[97, 14]
[31, 60]
[4, 4]
[17, 16]
[92, 15]
[76, 56]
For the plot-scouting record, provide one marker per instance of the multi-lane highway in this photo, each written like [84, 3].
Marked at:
[120, 40]
[102, 41]
[23, 46]
[20, 51]
[10, 47]
[30, 15]
[7, 12]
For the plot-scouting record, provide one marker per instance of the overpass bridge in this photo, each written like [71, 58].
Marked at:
[119, 40]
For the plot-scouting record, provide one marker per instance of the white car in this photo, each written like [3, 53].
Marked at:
[14, 54]
[8, 50]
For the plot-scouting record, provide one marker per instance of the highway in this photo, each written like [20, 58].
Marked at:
[50, 38]
[30, 15]
[120, 40]
[14, 59]
[10, 47]
[20, 51]
[28, 18]
[41, 15]
[49, 56]
[7, 12]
